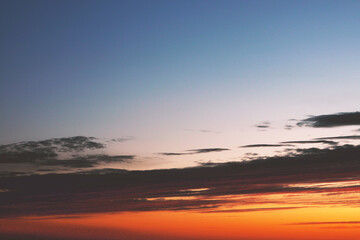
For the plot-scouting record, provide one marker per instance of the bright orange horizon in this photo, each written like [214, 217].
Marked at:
[326, 224]
[298, 216]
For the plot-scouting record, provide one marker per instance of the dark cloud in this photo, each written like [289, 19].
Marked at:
[351, 137]
[263, 125]
[312, 141]
[332, 120]
[48, 149]
[264, 145]
[202, 188]
[173, 154]
[207, 150]
[196, 151]
[49, 153]
[290, 143]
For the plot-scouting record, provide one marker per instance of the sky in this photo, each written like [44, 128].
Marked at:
[208, 112]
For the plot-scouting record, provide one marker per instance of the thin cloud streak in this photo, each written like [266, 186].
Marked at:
[195, 151]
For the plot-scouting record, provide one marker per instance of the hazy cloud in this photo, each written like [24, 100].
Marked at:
[289, 127]
[202, 130]
[124, 139]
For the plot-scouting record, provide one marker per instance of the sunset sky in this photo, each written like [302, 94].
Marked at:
[184, 120]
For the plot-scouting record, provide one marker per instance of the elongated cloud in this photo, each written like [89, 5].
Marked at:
[196, 151]
[351, 137]
[332, 120]
[312, 141]
[264, 145]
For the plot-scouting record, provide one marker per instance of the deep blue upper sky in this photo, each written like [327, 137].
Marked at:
[146, 68]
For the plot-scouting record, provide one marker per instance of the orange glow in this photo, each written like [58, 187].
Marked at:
[257, 221]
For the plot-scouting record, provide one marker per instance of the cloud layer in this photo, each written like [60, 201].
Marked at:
[204, 188]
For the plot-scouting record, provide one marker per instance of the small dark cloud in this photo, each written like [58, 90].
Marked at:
[173, 154]
[351, 137]
[195, 151]
[332, 120]
[289, 127]
[263, 126]
[207, 150]
[264, 145]
[312, 141]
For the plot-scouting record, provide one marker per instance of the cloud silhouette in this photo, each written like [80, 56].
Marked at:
[312, 141]
[264, 145]
[207, 150]
[49, 153]
[202, 188]
[263, 125]
[195, 151]
[332, 120]
[350, 137]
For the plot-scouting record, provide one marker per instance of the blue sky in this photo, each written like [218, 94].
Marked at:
[160, 71]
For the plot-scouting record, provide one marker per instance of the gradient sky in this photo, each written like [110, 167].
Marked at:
[139, 86]
[151, 69]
